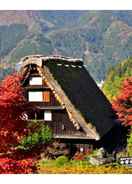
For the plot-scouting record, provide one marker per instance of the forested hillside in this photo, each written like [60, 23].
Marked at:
[102, 38]
[115, 77]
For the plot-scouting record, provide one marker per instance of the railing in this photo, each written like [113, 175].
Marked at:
[59, 132]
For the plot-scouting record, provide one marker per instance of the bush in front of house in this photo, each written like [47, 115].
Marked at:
[61, 161]
[129, 144]
[41, 135]
[15, 166]
[79, 167]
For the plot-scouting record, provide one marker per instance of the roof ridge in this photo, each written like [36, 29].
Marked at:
[50, 57]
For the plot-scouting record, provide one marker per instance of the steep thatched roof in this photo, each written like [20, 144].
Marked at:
[71, 83]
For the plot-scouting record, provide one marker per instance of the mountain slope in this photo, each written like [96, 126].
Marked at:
[102, 38]
[115, 77]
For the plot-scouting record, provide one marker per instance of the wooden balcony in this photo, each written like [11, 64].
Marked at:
[70, 136]
[60, 133]
[45, 106]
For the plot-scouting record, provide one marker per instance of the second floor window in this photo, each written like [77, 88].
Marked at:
[39, 96]
[35, 96]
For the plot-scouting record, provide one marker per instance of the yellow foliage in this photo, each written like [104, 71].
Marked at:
[85, 170]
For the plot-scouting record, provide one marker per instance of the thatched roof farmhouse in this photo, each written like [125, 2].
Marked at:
[77, 108]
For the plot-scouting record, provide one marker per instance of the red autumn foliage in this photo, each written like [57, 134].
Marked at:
[79, 156]
[12, 127]
[82, 156]
[13, 166]
[123, 103]
[12, 104]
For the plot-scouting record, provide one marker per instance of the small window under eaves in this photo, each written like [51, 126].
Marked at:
[35, 81]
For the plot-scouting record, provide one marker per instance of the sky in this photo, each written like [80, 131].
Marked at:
[66, 4]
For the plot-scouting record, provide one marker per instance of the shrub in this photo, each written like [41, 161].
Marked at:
[61, 161]
[83, 156]
[79, 156]
[42, 135]
[13, 166]
[129, 145]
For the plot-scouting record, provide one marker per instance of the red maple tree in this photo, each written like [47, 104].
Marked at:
[12, 127]
[12, 104]
[123, 103]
